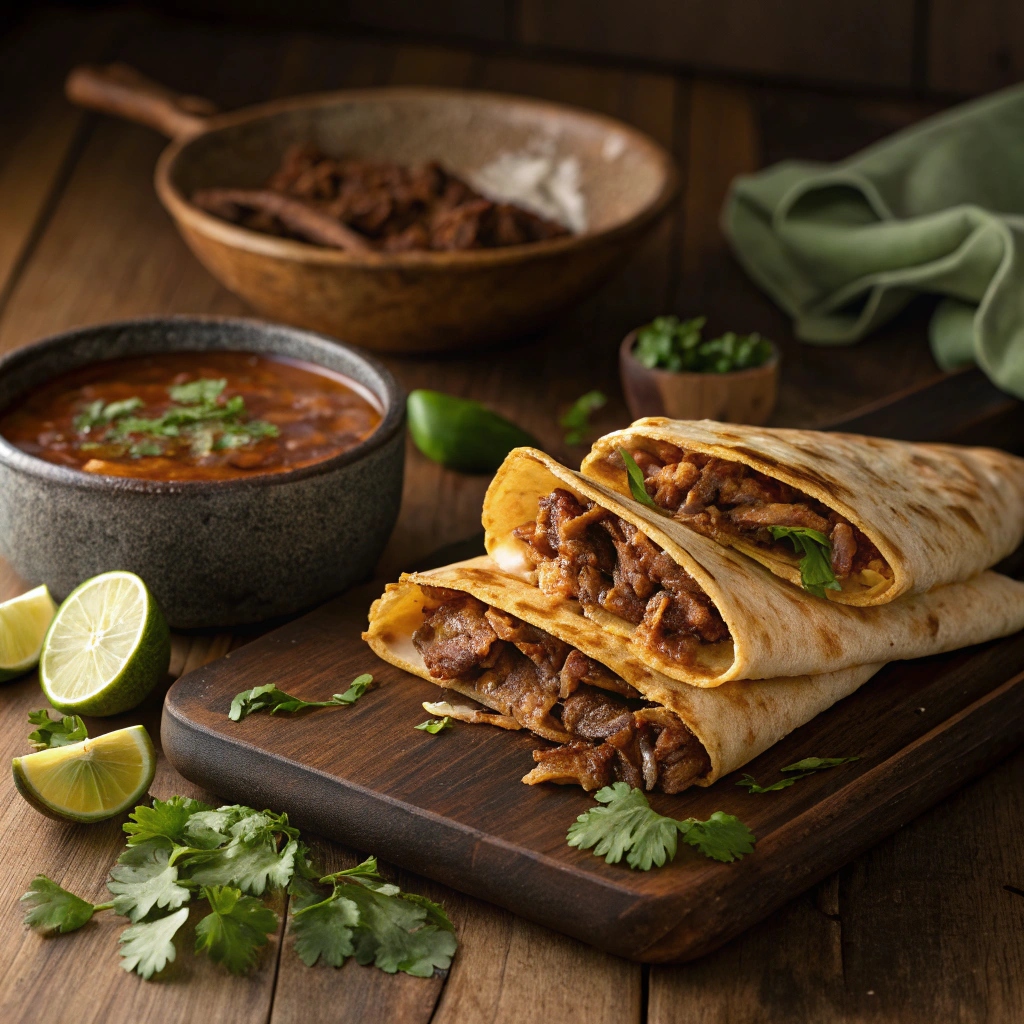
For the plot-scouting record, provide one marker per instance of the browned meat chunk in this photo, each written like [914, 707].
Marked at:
[777, 515]
[577, 763]
[595, 716]
[844, 549]
[455, 638]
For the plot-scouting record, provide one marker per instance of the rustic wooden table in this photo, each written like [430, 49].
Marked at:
[928, 926]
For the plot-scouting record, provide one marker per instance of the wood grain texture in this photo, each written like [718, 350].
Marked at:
[459, 796]
[867, 43]
[975, 47]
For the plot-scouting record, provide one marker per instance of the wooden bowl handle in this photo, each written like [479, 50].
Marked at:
[124, 92]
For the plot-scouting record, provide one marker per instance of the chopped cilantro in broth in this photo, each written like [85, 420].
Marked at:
[192, 416]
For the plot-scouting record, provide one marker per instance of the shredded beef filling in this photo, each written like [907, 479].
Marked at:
[606, 730]
[585, 552]
[723, 500]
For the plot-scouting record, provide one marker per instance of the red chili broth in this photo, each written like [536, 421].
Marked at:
[318, 414]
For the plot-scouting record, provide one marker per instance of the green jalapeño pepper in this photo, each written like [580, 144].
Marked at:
[462, 434]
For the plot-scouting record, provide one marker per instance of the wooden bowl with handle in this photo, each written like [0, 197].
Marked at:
[395, 302]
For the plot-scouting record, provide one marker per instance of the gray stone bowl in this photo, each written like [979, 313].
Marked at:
[214, 553]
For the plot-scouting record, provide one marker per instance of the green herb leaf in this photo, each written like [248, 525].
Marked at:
[629, 826]
[148, 947]
[435, 725]
[817, 764]
[577, 418]
[143, 879]
[269, 698]
[234, 929]
[816, 575]
[51, 733]
[722, 837]
[749, 783]
[53, 909]
[636, 481]
[798, 770]
[166, 820]
[197, 392]
[324, 929]
[251, 866]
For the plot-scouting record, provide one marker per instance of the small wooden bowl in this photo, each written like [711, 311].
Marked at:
[742, 396]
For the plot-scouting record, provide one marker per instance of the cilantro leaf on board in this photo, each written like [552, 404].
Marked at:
[628, 825]
[324, 930]
[799, 770]
[817, 764]
[166, 819]
[55, 733]
[722, 837]
[148, 947]
[435, 725]
[577, 418]
[53, 909]
[816, 575]
[234, 929]
[636, 482]
[750, 784]
[269, 698]
[143, 879]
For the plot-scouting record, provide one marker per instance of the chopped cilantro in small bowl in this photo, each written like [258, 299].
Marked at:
[668, 343]
[669, 368]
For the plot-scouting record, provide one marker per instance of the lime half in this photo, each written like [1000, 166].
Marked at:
[24, 621]
[89, 781]
[107, 648]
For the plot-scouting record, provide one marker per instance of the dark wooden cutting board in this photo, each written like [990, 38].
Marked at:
[452, 807]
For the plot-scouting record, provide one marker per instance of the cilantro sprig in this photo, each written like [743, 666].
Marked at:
[816, 575]
[435, 725]
[365, 917]
[269, 698]
[798, 770]
[55, 733]
[199, 420]
[627, 825]
[182, 853]
[576, 419]
[636, 481]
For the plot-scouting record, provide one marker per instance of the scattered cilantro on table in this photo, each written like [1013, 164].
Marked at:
[435, 725]
[668, 343]
[816, 575]
[55, 733]
[636, 482]
[799, 770]
[577, 418]
[627, 825]
[269, 698]
[182, 853]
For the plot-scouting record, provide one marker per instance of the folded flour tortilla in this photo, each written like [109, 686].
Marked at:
[774, 629]
[936, 513]
[733, 723]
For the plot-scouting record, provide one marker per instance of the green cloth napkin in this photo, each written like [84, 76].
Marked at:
[938, 207]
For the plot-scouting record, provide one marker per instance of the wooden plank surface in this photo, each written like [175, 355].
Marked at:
[922, 921]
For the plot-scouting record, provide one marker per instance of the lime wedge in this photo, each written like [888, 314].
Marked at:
[23, 624]
[89, 781]
[107, 648]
